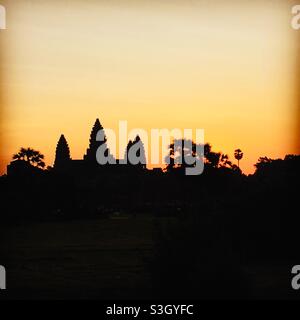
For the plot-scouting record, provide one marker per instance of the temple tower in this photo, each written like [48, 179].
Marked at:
[62, 156]
[137, 147]
[90, 155]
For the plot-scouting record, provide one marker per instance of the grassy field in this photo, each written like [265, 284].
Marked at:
[78, 259]
[99, 259]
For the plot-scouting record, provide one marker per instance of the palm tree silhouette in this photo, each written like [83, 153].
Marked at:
[33, 157]
[238, 154]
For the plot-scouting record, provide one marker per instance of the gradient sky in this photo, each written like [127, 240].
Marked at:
[225, 66]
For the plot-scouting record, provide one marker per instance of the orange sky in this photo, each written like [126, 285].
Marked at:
[227, 67]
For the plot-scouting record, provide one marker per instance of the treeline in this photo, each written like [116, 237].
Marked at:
[220, 221]
[244, 232]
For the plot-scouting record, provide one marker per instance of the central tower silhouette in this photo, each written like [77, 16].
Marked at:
[90, 155]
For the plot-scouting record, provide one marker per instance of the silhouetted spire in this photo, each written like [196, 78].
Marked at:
[141, 151]
[129, 145]
[138, 150]
[94, 144]
[62, 155]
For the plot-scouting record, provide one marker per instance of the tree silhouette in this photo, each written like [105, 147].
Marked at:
[33, 157]
[225, 161]
[216, 159]
[238, 154]
[213, 158]
[275, 168]
[181, 151]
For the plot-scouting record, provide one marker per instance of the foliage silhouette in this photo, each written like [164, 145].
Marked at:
[33, 157]
[181, 152]
[238, 154]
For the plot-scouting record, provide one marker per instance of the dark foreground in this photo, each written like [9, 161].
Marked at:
[104, 259]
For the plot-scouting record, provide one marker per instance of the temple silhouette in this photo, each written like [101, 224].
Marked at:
[176, 231]
[88, 165]
[64, 163]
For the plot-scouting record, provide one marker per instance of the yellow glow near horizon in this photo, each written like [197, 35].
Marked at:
[225, 67]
